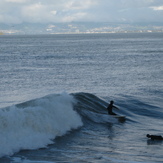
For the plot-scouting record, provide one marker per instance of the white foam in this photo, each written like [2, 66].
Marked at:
[99, 118]
[113, 160]
[17, 159]
[35, 126]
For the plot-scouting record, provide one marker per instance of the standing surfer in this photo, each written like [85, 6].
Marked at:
[110, 108]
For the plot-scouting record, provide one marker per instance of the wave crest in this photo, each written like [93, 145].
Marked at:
[34, 124]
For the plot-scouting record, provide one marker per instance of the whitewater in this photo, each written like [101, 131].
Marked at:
[34, 124]
[55, 90]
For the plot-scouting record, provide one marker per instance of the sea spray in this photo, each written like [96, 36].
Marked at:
[34, 124]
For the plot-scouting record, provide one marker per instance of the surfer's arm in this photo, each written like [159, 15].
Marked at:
[115, 107]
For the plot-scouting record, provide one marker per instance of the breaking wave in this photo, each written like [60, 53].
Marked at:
[35, 124]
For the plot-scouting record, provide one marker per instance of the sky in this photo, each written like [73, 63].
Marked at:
[52, 11]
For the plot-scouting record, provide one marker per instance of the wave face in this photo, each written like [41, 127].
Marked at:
[93, 108]
[35, 124]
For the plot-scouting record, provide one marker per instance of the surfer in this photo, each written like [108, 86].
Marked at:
[155, 137]
[110, 108]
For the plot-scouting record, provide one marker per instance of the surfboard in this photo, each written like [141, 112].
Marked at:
[120, 118]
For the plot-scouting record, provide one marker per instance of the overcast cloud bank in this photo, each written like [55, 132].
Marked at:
[52, 11]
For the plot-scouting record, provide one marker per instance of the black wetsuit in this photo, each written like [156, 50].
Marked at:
[155, 137]
[110, 108]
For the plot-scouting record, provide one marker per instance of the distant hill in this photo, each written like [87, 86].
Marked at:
[79, 27]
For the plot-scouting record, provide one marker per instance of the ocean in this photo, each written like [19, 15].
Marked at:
[54, 91]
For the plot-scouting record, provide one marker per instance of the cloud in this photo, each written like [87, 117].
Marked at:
[80, 5]
[49, 11]
[157, 8]
[34, 12]
[65, 12]
[127, 10]
[16, 1]
[74, 17]
[54, 12]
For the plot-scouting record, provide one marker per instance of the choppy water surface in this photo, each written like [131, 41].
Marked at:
[55, 90]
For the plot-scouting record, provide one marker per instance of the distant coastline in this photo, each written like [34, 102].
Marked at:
[110, 32]
[80, 28]
[66, 33]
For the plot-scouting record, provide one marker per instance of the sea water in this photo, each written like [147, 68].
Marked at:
[54, 90]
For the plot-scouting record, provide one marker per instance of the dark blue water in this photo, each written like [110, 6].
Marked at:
[55, 90]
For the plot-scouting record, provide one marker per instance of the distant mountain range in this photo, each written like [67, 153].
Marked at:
[79, 27]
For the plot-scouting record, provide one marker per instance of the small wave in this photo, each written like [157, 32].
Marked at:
[141, 107]
[34, 124]
[93, 108]
[98, 118]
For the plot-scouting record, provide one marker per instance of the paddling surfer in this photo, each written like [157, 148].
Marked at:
[155, 137]
[110, 108]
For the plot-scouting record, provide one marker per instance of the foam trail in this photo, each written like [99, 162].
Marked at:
[36, 123]
[99, 118]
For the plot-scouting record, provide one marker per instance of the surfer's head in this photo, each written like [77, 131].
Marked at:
[148, 135]
[111, 101]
